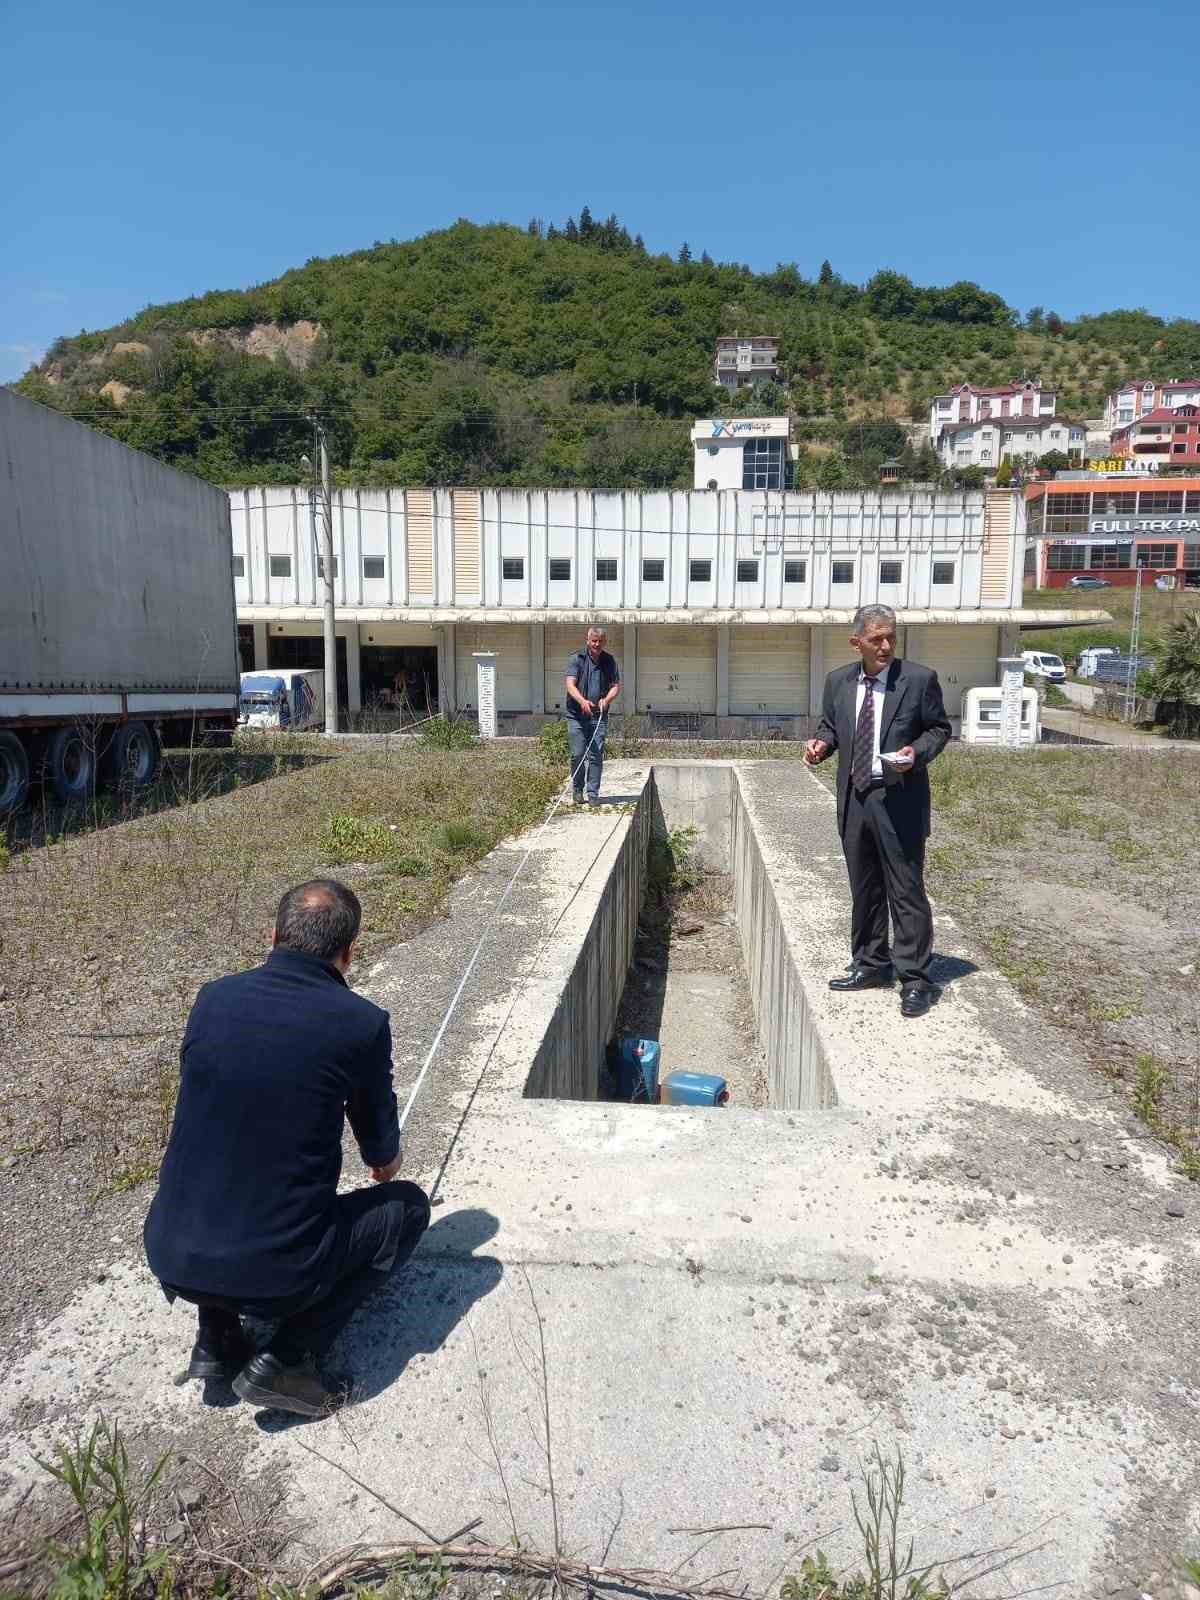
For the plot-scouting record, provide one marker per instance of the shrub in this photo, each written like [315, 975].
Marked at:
[448, 733]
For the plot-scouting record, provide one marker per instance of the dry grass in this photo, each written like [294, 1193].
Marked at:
[106, 935]
[1159, 610]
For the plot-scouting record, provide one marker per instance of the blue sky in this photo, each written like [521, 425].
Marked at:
[155, 151]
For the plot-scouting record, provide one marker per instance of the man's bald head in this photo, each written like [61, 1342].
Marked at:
[320, 918]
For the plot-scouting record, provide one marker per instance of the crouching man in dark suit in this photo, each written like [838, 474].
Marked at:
[887, 719]
[247, 1220]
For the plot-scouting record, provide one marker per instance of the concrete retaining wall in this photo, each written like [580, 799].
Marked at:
[597, 934]
[798, 1075]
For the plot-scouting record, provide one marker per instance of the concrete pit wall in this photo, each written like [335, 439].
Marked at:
[595, 941]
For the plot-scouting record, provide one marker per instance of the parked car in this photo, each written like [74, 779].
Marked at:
[1041, 664]
[1083, 580]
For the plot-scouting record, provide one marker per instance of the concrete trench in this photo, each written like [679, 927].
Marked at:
[706, 797]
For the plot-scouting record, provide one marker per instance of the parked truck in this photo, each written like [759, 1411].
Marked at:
[118, 632]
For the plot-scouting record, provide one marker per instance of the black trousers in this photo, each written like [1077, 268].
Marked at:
[377, 1230]
[885, 857]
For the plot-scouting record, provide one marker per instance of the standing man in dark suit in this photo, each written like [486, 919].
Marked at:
[887, 718]
[247, 1220]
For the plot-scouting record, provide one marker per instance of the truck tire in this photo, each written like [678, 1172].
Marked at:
[135, 755]
[71, 765]
[14, 773]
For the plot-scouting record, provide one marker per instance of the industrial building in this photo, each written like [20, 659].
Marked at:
[742, 453]
[1107, 525]
[724, 609]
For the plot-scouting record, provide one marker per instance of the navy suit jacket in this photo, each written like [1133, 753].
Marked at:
[272, 1062]
[913, 713]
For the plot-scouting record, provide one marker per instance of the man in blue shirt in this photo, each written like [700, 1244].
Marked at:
[247, 1220]
[593, 682]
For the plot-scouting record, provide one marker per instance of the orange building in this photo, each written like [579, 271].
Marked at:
[1104, 526]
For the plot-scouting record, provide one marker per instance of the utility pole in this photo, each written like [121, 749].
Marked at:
[325, 492]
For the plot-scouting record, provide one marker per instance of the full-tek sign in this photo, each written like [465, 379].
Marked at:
[1114, 525]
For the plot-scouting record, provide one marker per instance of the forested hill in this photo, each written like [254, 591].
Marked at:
[538, 356]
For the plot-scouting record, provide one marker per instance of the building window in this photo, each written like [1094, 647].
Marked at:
[842, 572]
[943, 572]
[653, 570]
[1161, 500]
[1181, 427]
[700, 571]
[1156, 555]
[560, 569]
[1111, 557]
[762, 463]
[321, 567]
[1069, 505]
[606, 569]
[514, 568]
[1105, 504]
[1191, 555]
[1179, 449]
[239, 566]
[373, 566]
[891, 571]
[795, 572]
[747, 572]
[1066, 557]
[281, 566]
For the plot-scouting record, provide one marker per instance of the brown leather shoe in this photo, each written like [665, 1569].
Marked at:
[265, 1381]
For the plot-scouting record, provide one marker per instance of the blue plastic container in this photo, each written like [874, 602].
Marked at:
[694, 1089]
[637, 1069]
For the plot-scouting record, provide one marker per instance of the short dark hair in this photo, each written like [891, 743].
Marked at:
[320, 918]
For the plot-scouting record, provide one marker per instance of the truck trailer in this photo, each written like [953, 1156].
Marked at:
[118, 632]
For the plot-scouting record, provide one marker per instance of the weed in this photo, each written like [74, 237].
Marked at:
[415, 1578]
[109, 1560]
[627, 741]
[459, 839]
[1126, 849]
[407, 867]
[1149, 1082]
[345, 838]
[672, 866]
[1111, 1011]
[448, 733]
[5, 856]
[554, 745]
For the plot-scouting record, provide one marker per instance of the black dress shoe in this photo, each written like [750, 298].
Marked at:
[265, 1381]
[222, 1357]
[860, 977]
[916, 998]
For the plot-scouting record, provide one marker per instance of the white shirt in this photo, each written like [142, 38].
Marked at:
[880, 689]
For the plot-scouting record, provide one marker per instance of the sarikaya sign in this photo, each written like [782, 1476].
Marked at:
[1111, 525]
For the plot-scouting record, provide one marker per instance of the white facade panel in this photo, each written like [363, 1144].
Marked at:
[677, 668]
[511, 642]
[963, 658]
[562, 641]
[768, 670]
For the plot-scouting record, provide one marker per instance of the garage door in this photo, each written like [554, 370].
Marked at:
[511, 644]
[964, 657]
[768, 670]
[677, 669]
[562, 641]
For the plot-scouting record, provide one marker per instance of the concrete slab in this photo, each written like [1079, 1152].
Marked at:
[966, 1256]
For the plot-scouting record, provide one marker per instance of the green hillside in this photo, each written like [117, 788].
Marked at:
[495, 355]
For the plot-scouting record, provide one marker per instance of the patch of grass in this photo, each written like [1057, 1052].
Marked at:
[554, 745]
[672, 867]
[109, 935]
[1149, 1082]
[1111, 1010]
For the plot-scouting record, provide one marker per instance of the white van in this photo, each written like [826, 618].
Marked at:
[284, 697]
[1041, 664]
[1088, 659]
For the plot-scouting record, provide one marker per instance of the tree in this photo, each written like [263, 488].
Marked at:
[587, 227]
[1176, 676]
[1004, 475]
[826, 275]
[1054, 461]
[705, 259]
[884, 438]
[534, 227]
[571, 231]
[1035, 319]
[1054, 323]
[685, 254]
